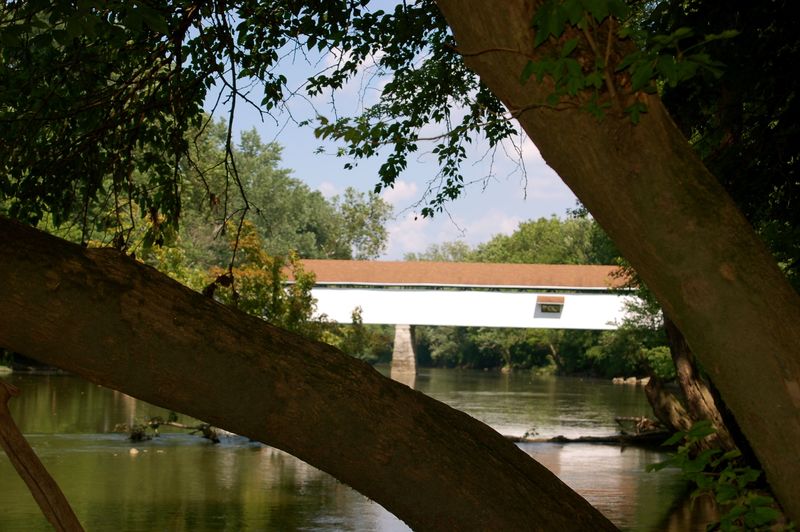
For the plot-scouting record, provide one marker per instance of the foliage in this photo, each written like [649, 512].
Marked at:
[549, 241]
[100, 100]
[587, 30]
[659, 361]
[737, 488]
[258, 286]
[371, 343]
[278, 290]
[172, 260]
[288, 215]
[94, 106]
[631, 350]
[361, 227]
[457, 251]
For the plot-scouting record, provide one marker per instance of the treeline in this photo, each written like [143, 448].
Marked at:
[638, 347]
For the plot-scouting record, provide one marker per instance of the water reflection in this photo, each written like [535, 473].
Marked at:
[181, 482]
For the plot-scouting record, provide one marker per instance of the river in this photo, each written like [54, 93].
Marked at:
[182, 482]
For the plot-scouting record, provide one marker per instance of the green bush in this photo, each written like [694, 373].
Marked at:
[735, 487]
[660, 361]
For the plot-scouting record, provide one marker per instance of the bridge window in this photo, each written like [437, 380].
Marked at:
[550, 304]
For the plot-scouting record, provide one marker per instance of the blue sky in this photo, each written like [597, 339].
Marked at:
[513, 186]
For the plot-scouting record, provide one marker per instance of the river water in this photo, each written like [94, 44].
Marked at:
[182, 482]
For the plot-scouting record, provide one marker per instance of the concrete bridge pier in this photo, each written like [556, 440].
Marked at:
[404, 360]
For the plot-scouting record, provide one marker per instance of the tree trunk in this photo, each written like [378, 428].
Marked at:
[666, 407]
[118, 323]
[674, 223]
[700, 403]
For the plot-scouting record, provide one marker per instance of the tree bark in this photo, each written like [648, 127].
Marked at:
[700, 403]
[674, 223]
[121, 324]
[666, 407]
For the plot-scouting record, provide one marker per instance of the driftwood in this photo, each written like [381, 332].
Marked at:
[138, 431]
[650, 439]
[44, 489]
[645, 433]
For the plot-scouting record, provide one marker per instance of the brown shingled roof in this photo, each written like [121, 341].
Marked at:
[462, 274]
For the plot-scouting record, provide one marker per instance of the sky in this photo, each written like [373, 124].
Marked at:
[510, 187]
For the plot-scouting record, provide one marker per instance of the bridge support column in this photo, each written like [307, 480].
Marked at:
[404, 360]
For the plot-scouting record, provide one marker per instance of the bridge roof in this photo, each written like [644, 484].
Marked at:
[463, 274]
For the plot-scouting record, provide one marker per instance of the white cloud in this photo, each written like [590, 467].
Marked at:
[328, 189]
[407, 234]
[410, 233]
[401, 191]
[492, 223]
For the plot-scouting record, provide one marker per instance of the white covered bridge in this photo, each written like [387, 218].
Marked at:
[547, 296]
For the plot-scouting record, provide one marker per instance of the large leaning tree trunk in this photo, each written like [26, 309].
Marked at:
[675, 224]
[116, 322]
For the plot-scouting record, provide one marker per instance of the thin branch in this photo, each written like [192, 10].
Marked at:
[612, 91]
[491, 50]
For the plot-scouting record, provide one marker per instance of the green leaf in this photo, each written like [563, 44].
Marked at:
[641, 76]
[675, 438]
[527, 72]
[761, 516]
[700, 430]
[725, 493]
[635, 111]
[597, 8]
[658, 466]
[549, 19]
[727, 34]
[574, 10]
[154, 20]
[569, 47]
[618, 9]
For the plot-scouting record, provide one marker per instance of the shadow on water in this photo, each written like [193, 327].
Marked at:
[182, 482]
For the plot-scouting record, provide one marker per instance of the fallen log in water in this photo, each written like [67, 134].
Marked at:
[646, 439]
[643, 432]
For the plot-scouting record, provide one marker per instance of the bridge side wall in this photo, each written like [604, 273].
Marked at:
[476, 308]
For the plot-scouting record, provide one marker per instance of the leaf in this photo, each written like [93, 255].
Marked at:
[549, 19]
[675, 438]
[761, 516]
[641, 76]
[527, 72]
[569, 47]
[154, 20]
[700, 430]
[658, 466]
[597, 8]
[575, 11]
[725, 493]
[618, 9]
[635, 112]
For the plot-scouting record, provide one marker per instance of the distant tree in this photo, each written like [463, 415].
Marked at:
[456, 251]
[289, 216]
[361, 224]
[548, 241]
